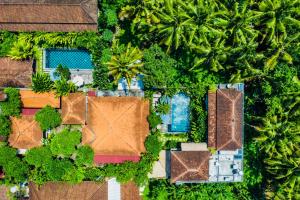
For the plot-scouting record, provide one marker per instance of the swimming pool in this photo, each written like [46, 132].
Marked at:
[180, 113]
[72, 58]
[178, 120]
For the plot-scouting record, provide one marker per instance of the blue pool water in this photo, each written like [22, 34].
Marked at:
[180, 113]
[72, 58]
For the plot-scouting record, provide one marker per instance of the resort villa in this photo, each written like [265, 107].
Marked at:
[221, 158]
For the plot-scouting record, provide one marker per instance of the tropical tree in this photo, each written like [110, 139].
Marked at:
[48, 118]
[41, 82]
[63, 87]
[126, 64]
[277, 19]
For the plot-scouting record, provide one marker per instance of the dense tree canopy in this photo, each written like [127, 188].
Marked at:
[48, 118]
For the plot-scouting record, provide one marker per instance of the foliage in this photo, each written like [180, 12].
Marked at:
[48, 118]
[163, 108]
[4, 125]
[160, 69]
[154, 120]
[153, 145]
[6, 40]
[111, 17]
[63, 72]
[12, 106]
[39, 156]
[84, 156]
[107, 35]
[41, 82]
[126, 64]
[64, 144]
[64, 87]
[15, 170]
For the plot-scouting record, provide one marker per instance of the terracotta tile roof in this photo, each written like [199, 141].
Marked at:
[63, 191]
[225, 111]
[3, 192]
[31, 99]
[212, 120]
[189, 166]
[103, 159]
[130, 191]
[26, 133]
[48, 15]
[15, 73]
[29, 111]
[73, 108]
[116, 125]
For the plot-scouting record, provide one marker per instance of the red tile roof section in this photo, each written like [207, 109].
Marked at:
[189, 166]
[229, 119]
[212, 119]
[103, 159]
[48, 15]
[29, 111]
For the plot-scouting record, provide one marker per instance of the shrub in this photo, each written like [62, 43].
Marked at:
[56, 169]
[160, 69]
[12, 106]
[64, 87]
[4, 126]
[63, 72]
[153, 145]
[84, 156]
[111, 17]
[38, 157]
[64, 144]
[48, 118]
[154, 120]
[107, 35]
[41, 82]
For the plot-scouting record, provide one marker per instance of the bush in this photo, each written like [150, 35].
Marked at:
[64, 87]
[160, 69]
[63, 72]
[41, 82]
[111, 17]
[4, 126]
[107, 35]
[48, 118]
[84, 156]
[154, 120]
[12, 106]
[39, 156]
[64, 144]
[153, 145]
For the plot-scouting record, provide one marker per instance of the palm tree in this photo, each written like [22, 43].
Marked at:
[126, 64]
[275, 18]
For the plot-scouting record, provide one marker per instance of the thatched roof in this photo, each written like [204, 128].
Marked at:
[31, 99]
[15, 73]
[116, 125]
[189, 166]
[26, 133]
[73, 108]
[48, 15]
[225, 119]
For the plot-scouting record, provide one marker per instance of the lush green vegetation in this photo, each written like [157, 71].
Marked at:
[48, 118]
[190, 46]
[41, 82]
[4, 125]
[12, 106]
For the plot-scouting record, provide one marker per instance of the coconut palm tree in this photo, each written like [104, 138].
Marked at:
[126, 64]
[275, 18]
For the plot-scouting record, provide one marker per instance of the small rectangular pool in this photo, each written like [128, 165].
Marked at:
[72, 58]
[180, 113]
[178, 120]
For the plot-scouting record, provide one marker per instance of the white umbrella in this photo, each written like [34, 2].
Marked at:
[78, 81]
